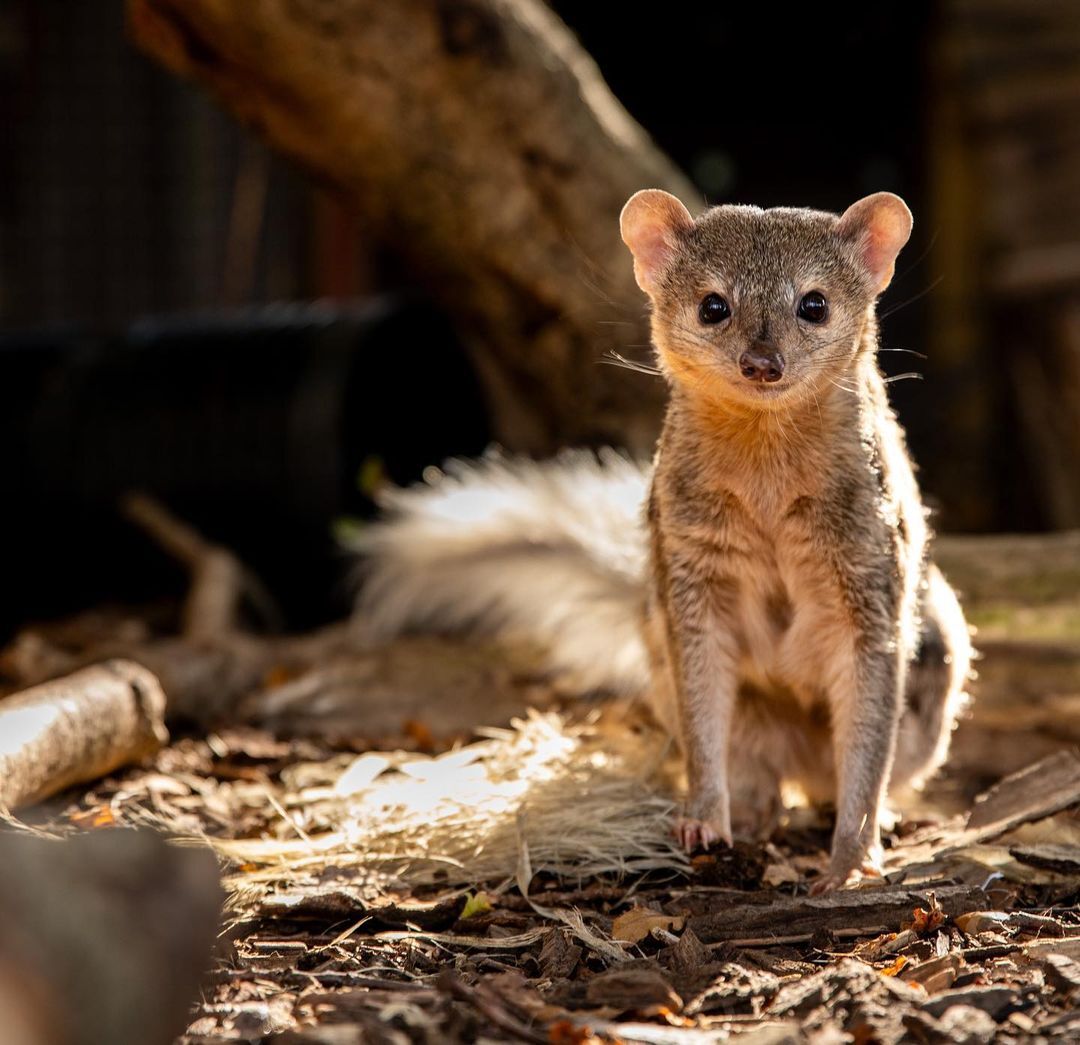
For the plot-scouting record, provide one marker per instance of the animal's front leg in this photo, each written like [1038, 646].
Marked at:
[865, 700]
[702, 656]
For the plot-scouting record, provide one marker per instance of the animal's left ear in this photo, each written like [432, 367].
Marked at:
[879, 226]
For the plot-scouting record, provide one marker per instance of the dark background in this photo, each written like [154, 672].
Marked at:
[182, 311]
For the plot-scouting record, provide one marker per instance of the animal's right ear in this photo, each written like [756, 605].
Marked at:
[650, 224]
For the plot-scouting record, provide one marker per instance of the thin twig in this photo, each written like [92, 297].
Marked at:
[219, 581]
[796, 938]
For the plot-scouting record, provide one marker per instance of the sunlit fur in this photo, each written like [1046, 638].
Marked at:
[762, 266]
[791, 593]
[552, 551]
[776, 599]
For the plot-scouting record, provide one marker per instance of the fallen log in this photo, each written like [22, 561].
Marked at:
[77, 728]
[1017, 586]
[850, 909]
[1022, 594]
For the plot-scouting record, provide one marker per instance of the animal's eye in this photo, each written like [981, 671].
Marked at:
[813, 307]
[713, 309]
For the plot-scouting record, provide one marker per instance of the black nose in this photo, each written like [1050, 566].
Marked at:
[761, 362]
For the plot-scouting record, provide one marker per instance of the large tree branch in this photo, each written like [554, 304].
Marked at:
[478, 138]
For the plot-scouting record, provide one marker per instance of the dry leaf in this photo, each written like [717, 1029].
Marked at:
[277, 675]
[981, 922]
[886, 944]
[563, 1032]
[99, 816]
[780, 874]
[638, 922]
[419, 733]
[923, 920]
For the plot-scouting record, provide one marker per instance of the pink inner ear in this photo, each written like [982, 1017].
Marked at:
[885, 236]
[882, 224]
[653, 249]
[649, 222]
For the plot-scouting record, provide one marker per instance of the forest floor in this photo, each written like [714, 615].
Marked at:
[521, 887]
[428, 842]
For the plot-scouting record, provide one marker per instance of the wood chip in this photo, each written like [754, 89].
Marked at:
[633, 988]
[1038, 791]
[1070, 947]
[1061, 859]
[1061, 972]
[991, 1000]
[958, 1025]
[851, 988]
[688, 955]
[107, 934]
[734, 989]
[559, 955]
[936, 975]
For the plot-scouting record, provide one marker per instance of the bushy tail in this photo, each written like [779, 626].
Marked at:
[550, 551]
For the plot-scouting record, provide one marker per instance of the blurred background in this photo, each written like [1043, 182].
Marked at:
[185, 311]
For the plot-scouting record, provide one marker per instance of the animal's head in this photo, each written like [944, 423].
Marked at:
[755, 305]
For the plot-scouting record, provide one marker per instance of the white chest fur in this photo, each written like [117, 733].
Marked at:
[789, 620]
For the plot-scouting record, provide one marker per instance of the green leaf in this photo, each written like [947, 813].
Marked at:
[476, 904]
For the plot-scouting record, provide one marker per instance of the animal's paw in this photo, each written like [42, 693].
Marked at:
[842, 877]
[699, 834]
[830, 882]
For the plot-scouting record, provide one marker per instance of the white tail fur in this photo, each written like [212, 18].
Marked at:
[551, 551]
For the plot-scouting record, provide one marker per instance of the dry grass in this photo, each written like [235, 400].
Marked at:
[575, 799]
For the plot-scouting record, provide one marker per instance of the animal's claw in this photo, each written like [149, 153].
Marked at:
[699, 834]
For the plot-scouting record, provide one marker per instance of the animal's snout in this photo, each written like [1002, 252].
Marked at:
[761, 362]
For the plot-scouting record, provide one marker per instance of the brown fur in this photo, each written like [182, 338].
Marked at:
[795, 626]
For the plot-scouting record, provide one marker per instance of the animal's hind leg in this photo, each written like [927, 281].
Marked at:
[935, 686]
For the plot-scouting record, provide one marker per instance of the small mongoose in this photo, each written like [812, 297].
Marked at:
[777, 602]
